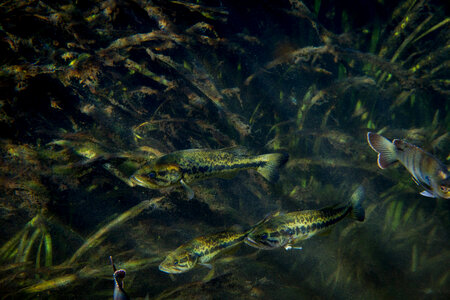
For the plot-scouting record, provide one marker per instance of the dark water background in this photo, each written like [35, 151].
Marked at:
[91, 90]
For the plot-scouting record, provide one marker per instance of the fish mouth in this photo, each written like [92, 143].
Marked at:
[170, 270]
[136, 179]
[139, 180]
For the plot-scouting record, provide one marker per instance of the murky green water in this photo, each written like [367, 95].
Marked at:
[90, 91]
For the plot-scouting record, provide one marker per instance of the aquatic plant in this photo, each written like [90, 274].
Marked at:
[92, 90]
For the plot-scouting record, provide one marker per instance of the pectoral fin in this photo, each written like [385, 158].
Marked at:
[188, 190]
[209, 276]
[209, 266]
[415, 180]
[428, 194]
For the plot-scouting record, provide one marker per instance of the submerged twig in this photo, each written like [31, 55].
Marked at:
[94, 240]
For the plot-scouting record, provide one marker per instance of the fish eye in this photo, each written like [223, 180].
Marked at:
[175, 262]
[264, 236]
[152, 174]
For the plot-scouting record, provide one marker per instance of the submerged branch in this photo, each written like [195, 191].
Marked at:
[94, 240]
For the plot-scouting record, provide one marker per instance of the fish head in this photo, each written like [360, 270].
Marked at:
[156, 176]
[179, 261]
[441, 184]
[264, 238]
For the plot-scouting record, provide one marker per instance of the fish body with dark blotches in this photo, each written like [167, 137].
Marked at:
[425, 169]
[200, 251]
[187, 166]
[286, 230]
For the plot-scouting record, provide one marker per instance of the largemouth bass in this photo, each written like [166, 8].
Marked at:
[288, 229]
[425, 169]
[186, 166]
[200, 251]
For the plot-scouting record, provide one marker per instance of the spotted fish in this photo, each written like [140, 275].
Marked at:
[200, 251]
[186, 166]
[425, 169]
[288, 229]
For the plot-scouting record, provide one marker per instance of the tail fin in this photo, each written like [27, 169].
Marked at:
[387, 154]
[273, 162]
[357, 212]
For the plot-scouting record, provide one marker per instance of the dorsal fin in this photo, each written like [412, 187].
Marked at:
[237, 150]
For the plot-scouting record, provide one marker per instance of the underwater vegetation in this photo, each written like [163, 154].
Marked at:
[91, 92]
